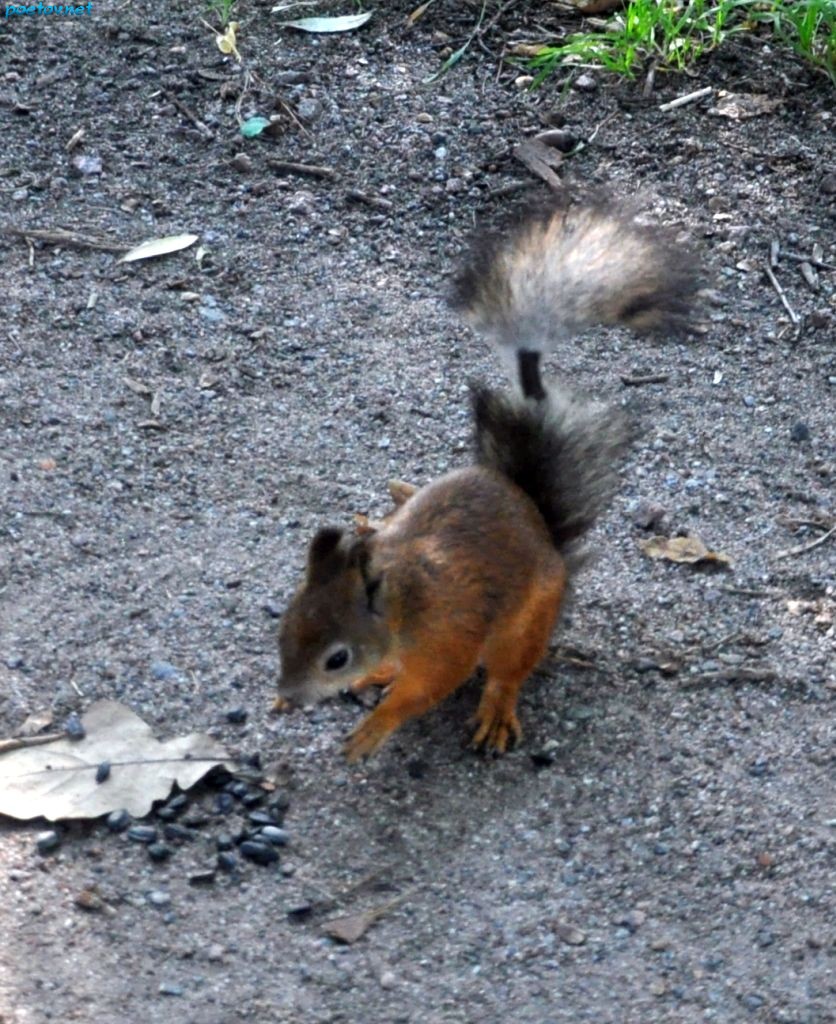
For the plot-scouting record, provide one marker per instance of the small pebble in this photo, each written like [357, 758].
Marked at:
[273, 835]
[225, 842]
[227, 861]
[46, 842]
[260, 818]
[388, 980]
[158, 898]
[585, 83]
[197, 819]
[73, 727]
[118, 821]
[260, 853]
[301, 912]
[241, 162]
[177, 833]
[800, 432]
[142, 833]
[236, 716]
[162, 670]
[224, 802]
[103, 772]
[215, 953]
[206, 877]
[253, 798]
[158, 852]
[168, 988]
[416, 768]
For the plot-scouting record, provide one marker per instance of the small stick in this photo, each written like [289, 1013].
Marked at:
[732, 675]
[356, 196]
[807, 547]
[746, 592]
[773, 280]
[29, 741]
[59, 236]
[308, 170]
[690, 97]
[184, 110]
[647, 88]
[510, 188]
[797, 256]
[648, 378]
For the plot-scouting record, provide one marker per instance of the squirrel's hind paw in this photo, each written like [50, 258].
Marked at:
[496, 730]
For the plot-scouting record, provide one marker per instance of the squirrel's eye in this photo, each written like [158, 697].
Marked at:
[339, 659]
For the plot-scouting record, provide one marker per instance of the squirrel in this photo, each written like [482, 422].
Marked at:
[472, 569]
[567, 268]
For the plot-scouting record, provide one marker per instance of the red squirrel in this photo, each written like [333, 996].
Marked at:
[471, 570]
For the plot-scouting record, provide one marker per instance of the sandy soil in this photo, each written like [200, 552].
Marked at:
[674, 860]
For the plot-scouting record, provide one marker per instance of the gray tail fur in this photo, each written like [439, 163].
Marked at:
[562, 450]
[567, 268]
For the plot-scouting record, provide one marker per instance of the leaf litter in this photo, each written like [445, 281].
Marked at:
[56, 778]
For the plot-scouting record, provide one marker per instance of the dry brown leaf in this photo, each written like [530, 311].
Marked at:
[418, 13]
[541, 160]
[35, 723]
[352, 927]
[743, 105]
[526, 49]
[57, 779]
[689, 550]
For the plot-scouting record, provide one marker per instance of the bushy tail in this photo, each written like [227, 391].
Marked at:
[563, 269]
[563, 451]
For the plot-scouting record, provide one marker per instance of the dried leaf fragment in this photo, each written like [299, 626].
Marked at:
[57, 779]
[35, 723]
[226, 40]
[688, 550]
[743, 105]
[159, 247]
[341, 23]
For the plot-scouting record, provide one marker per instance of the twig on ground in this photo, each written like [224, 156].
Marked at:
[648, 378]
[510, 188]
[773, 280]
[690, 97]
[204, 130]
[29, 741]
[802, 548]
[59, 236]
[731, 675]
[306, 170]
[355, 195]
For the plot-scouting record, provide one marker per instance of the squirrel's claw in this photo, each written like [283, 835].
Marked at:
[496, 730]
[367, 738]
[280, 706]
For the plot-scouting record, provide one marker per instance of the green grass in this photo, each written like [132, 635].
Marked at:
[223, 9]
[675, 33]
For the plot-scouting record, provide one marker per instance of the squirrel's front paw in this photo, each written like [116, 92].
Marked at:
[496, 729]
[367, 738]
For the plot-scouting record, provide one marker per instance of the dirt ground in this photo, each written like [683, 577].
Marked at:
[662, 846]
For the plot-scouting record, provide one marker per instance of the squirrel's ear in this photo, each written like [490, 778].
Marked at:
[325, 556]
[360, 557]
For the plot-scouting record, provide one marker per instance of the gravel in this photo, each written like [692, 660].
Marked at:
[148, 539]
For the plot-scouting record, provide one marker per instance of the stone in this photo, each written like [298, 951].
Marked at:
[47, 842]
